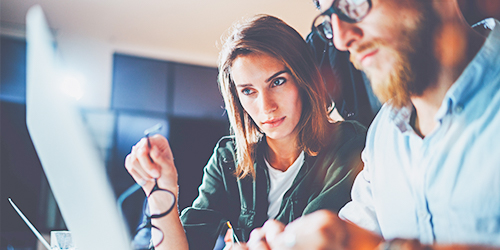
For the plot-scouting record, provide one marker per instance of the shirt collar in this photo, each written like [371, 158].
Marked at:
[484, 63]
[401, 117]
[474, 75]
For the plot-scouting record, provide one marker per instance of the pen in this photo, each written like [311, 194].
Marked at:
[234, 237]
[138, 185]
[148, 131]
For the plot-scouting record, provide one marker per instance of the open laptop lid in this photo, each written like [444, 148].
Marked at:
[74, 168]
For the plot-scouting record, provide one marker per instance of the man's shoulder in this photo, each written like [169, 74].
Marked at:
[382, 127]
[382, 119]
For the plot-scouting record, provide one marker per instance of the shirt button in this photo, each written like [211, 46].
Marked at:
[459, 109]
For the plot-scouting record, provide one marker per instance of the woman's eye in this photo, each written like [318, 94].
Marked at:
[278, 81]
[247, 91]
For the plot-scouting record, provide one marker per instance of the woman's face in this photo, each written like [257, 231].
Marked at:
[269, 94]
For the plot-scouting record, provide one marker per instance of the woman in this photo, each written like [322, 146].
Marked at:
[284, 159]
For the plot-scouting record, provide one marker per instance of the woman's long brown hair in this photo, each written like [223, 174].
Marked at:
[271, 36]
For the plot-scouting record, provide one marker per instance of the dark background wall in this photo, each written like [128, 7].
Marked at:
[185, 99]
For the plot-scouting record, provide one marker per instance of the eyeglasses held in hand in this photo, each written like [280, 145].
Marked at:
[351, 11]
[162, 200]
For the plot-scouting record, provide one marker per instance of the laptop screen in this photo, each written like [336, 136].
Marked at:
[74, 167]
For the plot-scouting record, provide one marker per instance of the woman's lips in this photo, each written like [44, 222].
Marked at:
[274, 122]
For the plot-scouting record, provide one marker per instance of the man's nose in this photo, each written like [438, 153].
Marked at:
[345, 34]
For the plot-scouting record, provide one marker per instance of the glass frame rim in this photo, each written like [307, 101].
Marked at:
[148, 218]
[332, 10]
[148, 225]
[156, 188]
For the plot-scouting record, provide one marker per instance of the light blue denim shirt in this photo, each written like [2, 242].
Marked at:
[444, 188]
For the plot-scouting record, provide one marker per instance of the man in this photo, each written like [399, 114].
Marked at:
[431, 178]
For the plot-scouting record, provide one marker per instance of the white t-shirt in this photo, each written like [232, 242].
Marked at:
[280, 182]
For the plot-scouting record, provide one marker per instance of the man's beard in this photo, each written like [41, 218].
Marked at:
[413, 64]
[392, 86]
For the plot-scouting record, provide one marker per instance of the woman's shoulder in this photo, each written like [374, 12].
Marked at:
[226, 141]
[223, 156]
[226, 146]
[347, 129]
[345, 134]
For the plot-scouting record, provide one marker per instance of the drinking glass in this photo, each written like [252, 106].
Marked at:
[61, 240]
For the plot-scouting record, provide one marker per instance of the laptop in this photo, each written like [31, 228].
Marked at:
[74, 167]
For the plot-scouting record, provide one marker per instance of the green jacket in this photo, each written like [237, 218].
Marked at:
[323, 182]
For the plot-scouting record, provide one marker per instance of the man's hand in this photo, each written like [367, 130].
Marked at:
[319, 230]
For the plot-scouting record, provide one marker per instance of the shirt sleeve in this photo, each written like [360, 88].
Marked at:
[360, 210]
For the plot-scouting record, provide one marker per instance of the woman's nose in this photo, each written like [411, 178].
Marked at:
[269, 105]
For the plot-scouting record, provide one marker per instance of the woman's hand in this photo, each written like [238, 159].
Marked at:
[152, 161]
[145, 164]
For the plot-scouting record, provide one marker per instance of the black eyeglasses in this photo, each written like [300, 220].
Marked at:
[164, 201]
[351, 11]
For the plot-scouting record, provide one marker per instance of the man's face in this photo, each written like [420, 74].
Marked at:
[389, 45]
